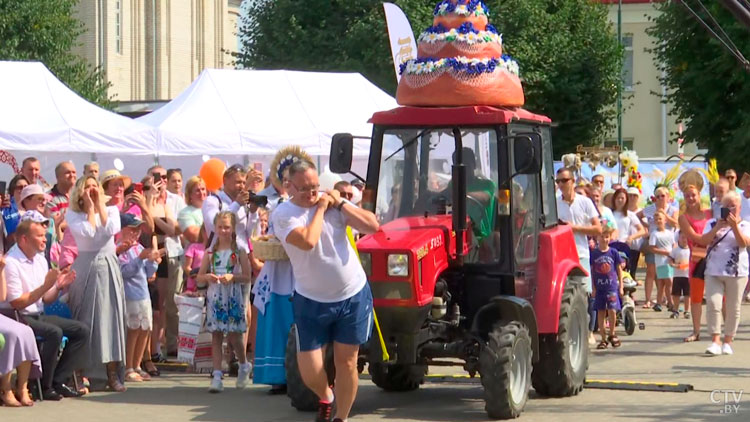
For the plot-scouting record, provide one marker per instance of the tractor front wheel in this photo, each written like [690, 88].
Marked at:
[505, 369]
[397, 377]
[563, 357]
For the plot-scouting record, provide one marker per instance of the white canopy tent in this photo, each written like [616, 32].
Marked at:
[41, 117]
[240, 116]
[254, 113]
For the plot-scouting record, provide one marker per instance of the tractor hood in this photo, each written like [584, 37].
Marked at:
[405, 257]
[418, 235]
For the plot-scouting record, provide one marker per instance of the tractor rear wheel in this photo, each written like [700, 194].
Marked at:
[505, 369]
[397, 377]
[303, 399]
[563, 357]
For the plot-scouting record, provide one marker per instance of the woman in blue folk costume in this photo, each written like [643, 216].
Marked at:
[273, 289]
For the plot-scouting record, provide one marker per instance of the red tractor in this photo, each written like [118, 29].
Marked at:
[470, 266]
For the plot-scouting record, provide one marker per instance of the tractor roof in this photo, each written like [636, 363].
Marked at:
[454, 116]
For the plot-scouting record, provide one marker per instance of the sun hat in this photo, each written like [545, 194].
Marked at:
[32, 189]
[111, 175]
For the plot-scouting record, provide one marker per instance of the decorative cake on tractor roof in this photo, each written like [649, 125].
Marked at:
[460, 62]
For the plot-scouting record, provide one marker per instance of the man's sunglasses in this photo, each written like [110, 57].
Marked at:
[563, 180]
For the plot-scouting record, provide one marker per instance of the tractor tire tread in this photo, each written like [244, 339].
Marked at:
[495, 367]
[553, 374]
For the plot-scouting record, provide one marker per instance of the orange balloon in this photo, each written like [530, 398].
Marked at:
[212, 172]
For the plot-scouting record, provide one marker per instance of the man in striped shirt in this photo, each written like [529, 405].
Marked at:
[65, 173]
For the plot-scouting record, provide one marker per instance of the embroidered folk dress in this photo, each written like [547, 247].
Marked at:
[225, 303]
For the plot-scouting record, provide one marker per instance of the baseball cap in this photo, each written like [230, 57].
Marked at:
[624, 256]
[32, 189]
[634, 191]
[130, 220]
[34, 216]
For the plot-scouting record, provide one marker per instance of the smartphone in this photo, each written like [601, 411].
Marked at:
[258, 166]
[2, 188]
[138, 188]
[724, 213]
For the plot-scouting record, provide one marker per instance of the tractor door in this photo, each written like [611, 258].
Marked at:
[526, 215]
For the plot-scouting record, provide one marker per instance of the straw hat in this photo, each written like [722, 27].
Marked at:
[111, 175]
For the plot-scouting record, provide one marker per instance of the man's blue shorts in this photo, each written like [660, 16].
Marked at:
[348, 321]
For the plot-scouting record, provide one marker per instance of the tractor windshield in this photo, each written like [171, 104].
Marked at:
[415, 175]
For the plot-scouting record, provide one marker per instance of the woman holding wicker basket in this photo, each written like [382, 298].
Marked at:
[274, 285]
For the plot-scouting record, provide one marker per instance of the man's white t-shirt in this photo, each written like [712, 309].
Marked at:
[331, 271]
[579, 213]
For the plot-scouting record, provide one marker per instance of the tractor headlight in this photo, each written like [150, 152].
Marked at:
[398, 265]
[366, 260]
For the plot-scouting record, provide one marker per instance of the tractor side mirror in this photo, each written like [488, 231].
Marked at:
[527, 153]
[342, 148]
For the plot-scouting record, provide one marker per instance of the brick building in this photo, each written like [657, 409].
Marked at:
[647, 125]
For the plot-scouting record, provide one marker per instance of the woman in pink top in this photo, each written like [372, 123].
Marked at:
[115, 185]
[692, 222]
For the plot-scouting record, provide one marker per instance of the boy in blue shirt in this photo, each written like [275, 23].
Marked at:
[606, 277]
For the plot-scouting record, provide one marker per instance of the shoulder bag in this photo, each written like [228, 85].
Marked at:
[699, 271]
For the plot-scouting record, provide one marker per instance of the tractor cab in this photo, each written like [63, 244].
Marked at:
[465, 188]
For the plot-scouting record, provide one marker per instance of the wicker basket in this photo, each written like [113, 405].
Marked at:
[269, 250]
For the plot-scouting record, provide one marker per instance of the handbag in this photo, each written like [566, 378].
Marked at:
[699, 271]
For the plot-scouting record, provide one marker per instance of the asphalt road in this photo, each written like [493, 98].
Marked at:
[656, 354]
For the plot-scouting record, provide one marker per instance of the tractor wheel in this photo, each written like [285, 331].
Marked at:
[628, 321]
[563, 358]
[303, 399]
[397, 377]
[505, 369]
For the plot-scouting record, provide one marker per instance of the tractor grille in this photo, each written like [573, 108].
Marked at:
[391, 290]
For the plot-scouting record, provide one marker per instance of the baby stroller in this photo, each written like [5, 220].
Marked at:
[626, 316]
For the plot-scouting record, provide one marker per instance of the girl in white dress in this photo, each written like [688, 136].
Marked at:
[224, 268]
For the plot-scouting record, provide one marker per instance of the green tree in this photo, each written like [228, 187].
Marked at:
[570, 59]
[706, 87]
[570, 64]
[46, 31]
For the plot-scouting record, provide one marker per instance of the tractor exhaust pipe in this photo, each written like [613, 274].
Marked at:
[459, 196]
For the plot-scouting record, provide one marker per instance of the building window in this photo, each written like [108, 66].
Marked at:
[627, 144]
[627, 62]
[118, 26]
